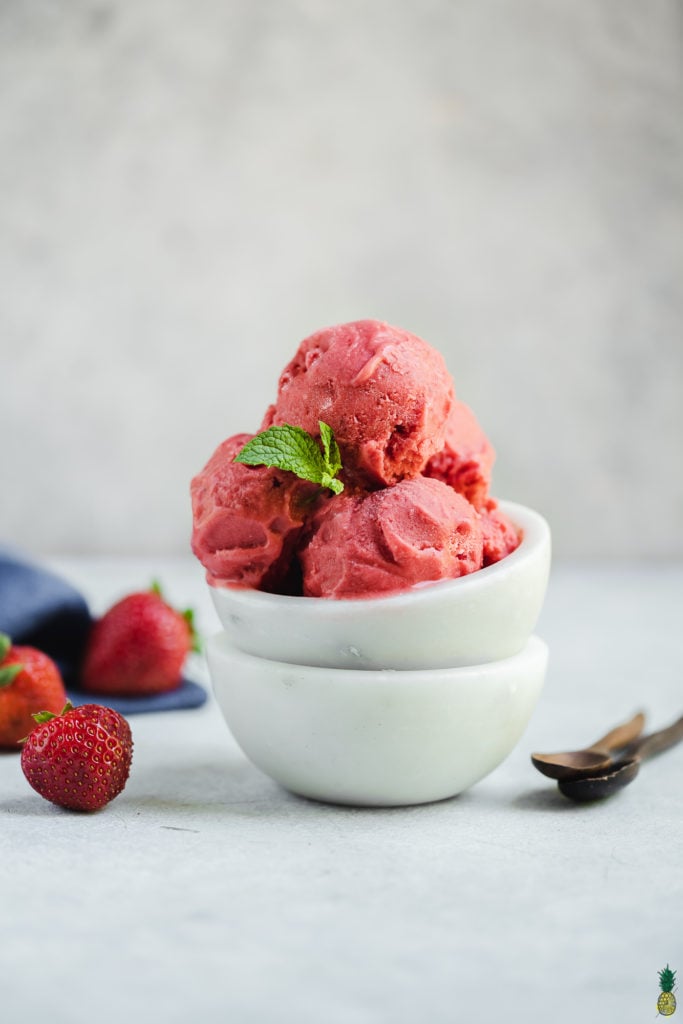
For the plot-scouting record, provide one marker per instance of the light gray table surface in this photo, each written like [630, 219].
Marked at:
[207, 892]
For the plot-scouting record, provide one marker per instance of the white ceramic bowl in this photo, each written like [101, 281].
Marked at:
[376, 738]
[487, 615]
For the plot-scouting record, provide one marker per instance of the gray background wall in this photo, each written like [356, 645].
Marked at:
[188, 187]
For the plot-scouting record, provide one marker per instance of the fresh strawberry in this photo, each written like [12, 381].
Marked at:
[79, 759]
[138, 647]
[29, 681]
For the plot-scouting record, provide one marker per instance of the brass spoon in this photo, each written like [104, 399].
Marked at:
[592, 760]
[624, 769]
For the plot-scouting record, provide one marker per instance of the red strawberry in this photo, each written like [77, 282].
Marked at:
[138, 647]
[79, 759]
[29, 681]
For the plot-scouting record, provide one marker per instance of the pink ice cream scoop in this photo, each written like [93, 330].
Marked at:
[499, 535]
[389, 540]
[246, 519]
[466, 459]
[385, 393]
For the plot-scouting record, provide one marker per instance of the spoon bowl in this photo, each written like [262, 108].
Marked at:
[593, 760]
[622, 770]
[584, 790]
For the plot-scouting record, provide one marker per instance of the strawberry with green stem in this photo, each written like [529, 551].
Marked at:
[138, 647]
[79, 759]
[29, 682]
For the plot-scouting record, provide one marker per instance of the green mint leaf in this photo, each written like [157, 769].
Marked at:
[331, 448]
[294, 450]
[286, 447]
[335, 485]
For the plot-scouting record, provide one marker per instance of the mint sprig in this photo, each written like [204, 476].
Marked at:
[293, 449]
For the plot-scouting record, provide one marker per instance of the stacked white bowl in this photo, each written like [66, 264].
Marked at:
[387, 701]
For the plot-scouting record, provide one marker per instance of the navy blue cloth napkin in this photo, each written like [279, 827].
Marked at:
[39, 609]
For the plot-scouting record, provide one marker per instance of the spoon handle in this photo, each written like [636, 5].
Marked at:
[621, 736]
[656, 742]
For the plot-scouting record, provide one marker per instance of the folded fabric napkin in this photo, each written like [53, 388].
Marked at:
[39, 609]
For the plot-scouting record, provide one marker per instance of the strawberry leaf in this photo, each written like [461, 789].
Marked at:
[47, 716]
[8, 673]
[188, 615]
[44, 716]
[5, 644]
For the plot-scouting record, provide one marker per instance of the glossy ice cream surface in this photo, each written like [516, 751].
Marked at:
[416, 531]
[499, 536]
[246, 519]
[466, 459]
[385, 393]
[416, 466]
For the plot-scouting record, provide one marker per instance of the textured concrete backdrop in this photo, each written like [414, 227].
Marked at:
[188, 187]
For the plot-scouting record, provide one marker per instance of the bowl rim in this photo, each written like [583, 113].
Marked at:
[535, 535]
[535, 648]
